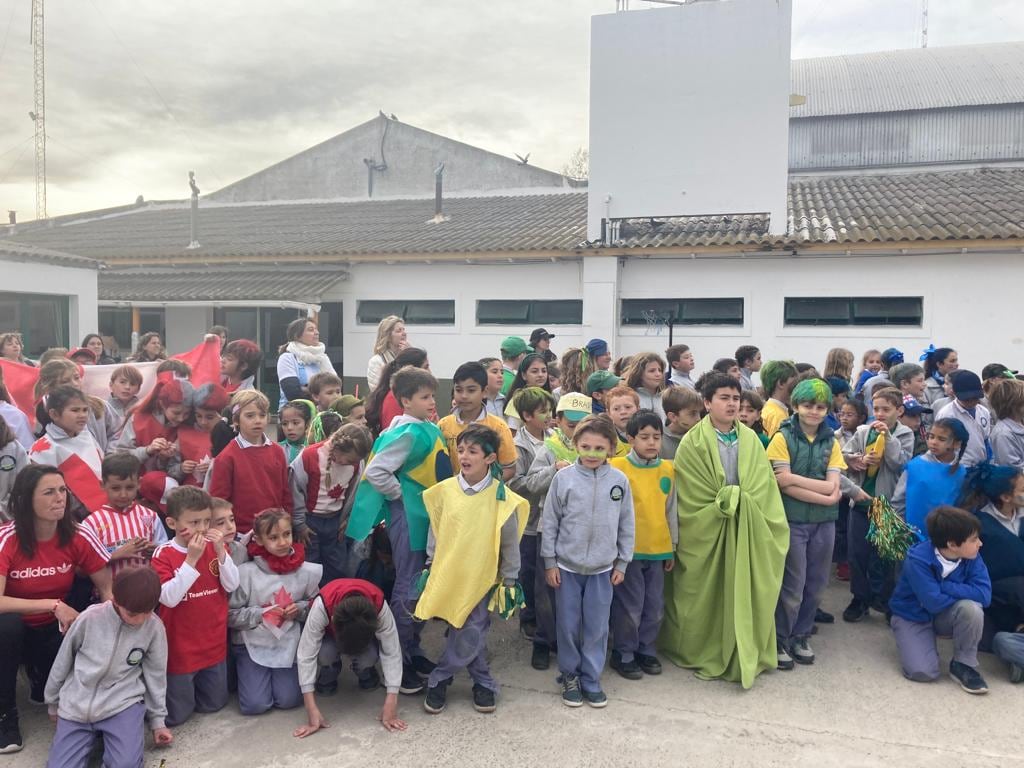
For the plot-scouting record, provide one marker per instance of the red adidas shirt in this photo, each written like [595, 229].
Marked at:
[197, 627]
[49, 573]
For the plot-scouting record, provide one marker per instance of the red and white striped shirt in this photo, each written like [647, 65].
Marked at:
[116, 527]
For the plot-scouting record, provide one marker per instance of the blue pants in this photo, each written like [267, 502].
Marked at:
[408, 567]
[324, 547]
[584, 604]
[261, 689]
[915, 640]
[808, 564]
[124, 737]
[638, 608]
[1009, 647]
[543, 602]
[527, 575]
[870, 576]
[202, 691]
[466, 648]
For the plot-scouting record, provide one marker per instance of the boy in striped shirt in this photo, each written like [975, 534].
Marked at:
[128, 530]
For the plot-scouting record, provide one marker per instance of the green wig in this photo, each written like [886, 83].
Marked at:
[532, 399]
[774, 372]
[811, 391]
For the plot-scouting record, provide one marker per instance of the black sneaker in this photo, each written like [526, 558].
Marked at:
[571, 694]
[541, 657]
[785, 662]
[421, 665]
[628, 669]
[435, 700]
[528, 629]
[326, 689]
[856, 611]
[369, 679]
[483, 699]
[649, 664]
[968, 677]
[411, 682]
[879, 605]
[10, 734]
[801, 651]
[824, 617]
[1016, 673]
[596, 699]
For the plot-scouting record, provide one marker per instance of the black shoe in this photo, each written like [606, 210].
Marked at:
[823, 617]
[879, 605]
[856, 611]
[529, 629]
[785, 661]
[968, 677]
[628, 669]
[649, 664]
[326, 689]
[541, 657]
[483, 699]
[10, 733]
[369, 679]
[411, 682]
[422, 665]
[435, 700]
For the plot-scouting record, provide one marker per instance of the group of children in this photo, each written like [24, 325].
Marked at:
[589, 496]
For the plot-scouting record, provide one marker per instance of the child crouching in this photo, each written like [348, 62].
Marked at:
[472, 552]
[118, 648]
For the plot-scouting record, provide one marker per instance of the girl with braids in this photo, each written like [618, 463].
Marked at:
[381, 405]
[323, 481]
[934, 478]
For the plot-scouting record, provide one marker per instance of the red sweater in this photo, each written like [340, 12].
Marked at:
[252, 479]
[333, 592]
[197, 627]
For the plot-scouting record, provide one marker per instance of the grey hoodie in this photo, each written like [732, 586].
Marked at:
[105, 666]
[897, 453]
[1008, 443]
[526, 451]
[588, 523]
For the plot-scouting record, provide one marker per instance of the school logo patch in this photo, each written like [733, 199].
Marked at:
[215, 568]
[616, 493]
[135, 656]
[665, 484]
[7, 463]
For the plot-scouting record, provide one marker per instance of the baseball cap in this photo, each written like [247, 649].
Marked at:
[597, 347]
[540, 333]
[575, 406]
[155, 487]
[513, 346]
[912, 406]
[967, 386]
[892, 356]
[997, 371]
[599, 381]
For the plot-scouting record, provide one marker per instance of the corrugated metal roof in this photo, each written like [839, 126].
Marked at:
[13, 251]
[916, 78]
[283, 284]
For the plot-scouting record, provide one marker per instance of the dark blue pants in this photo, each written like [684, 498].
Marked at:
[408, 567]
[324, 547]
[584, 605]
[543, 603]
[638, 608]
[871, 578]
[261, 689]
[527, 575]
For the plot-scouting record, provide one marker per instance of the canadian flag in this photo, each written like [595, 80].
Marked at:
[80, 460]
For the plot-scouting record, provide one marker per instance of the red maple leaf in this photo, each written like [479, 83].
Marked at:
[336, 491]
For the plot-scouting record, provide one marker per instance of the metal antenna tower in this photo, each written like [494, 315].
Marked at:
[38, 114]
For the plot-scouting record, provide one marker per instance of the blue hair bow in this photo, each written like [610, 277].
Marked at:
[927, 354]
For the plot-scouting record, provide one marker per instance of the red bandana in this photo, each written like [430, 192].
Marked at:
[279, 564]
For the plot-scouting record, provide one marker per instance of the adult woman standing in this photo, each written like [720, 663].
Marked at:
[150, 349]
[39, 554]
[301, 358]
[94, 343]
[391, 339]
[12, 348]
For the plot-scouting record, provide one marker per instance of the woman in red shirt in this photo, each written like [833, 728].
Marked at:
[40, 551]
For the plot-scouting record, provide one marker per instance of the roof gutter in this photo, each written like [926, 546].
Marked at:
[307, 306]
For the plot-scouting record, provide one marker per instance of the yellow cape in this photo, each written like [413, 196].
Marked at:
[467, 531]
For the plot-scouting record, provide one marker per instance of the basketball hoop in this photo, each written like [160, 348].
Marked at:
[656, 321]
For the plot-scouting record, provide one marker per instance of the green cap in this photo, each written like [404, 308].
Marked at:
[343, 405]
[513, 346]
[599, 381]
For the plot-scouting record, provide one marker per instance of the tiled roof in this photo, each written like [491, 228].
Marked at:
[282, 284]
[931, 206]
[909, 79]
[983, 204]
[239, 232]
[13, 251]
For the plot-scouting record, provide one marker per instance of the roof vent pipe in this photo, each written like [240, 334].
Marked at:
[193, 216]
[12, 217]
[438, 196]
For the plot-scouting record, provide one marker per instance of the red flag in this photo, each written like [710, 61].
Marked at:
[20, 381]
[204, 360]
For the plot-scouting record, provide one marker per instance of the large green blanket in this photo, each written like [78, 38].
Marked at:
[720, 599]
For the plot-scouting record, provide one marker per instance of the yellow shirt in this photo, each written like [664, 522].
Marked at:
[779, 451]
[451, 428]
[772, 416]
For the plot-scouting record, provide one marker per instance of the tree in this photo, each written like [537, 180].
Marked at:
[578, 167]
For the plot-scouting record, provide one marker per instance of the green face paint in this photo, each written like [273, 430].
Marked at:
[597, 453]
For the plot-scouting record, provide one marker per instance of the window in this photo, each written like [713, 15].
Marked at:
[682, 311]
[41, 319]
[531, 312]
[413, 311]
[863, 310]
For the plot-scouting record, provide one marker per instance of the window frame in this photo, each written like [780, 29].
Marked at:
[914, 313]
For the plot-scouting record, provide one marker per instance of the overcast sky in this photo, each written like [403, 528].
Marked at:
[138, 93]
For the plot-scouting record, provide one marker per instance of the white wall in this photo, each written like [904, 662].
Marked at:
[689, 109]
[79, 285]
[185, 327]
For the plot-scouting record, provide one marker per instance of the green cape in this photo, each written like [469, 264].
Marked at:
[426, 465]
[720, 599]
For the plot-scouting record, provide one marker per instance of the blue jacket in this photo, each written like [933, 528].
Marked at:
[922, 593]
[1002, 551]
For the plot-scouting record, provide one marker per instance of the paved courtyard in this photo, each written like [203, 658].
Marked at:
[851, 708]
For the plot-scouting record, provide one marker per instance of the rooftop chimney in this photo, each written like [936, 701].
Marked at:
[12, 217]
[438, 196]
[193, 216]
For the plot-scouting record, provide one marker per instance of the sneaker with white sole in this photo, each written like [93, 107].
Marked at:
[10, 733]
[801, 651]
[571, 694]
[785, 660]
[968, 677]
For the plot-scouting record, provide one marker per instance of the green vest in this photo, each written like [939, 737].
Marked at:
[808, 460]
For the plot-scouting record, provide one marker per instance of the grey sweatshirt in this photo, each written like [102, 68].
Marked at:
[312, 638]
[588, 521]
[12, 459]
[898, 452]
[538, 478]
[105, 666]
[257, 585]
[526, 452]
[1007, 443]
[670, 443]
[380, 472]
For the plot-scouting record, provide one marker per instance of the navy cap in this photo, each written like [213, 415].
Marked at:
[967, 386]
[597, 347]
